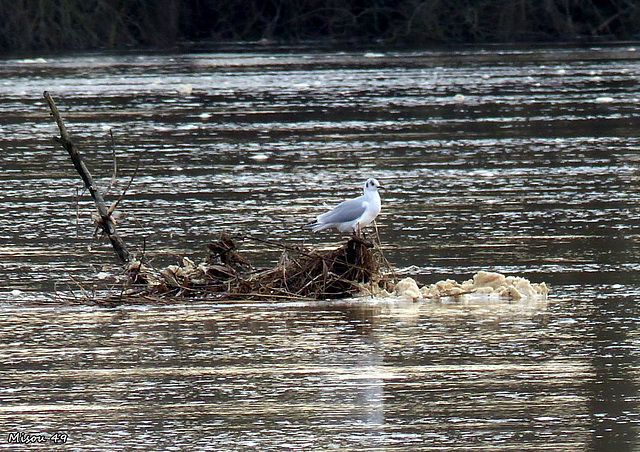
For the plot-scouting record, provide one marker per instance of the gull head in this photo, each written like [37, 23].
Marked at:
[371, 185]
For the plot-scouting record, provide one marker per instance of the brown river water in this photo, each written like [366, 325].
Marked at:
[521, 161]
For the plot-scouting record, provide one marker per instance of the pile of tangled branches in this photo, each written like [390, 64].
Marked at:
[301, 273]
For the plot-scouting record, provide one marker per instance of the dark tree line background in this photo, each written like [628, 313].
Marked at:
[55, 25]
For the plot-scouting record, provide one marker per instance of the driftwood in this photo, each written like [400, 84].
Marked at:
[301, 274]
[104, 220]
[331, 274]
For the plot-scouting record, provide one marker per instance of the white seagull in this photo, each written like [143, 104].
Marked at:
[352, 214]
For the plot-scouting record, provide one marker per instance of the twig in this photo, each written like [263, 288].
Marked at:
[384, 258]
[114, 204]
[114, 176]
[311, 281]
[105, 221]
[77, 198]
[280, 245]
[84, 292]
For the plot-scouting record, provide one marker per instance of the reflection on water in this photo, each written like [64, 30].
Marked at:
[519, 161]
[345, 375]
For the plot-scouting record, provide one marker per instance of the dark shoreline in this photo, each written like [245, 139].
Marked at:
[43, 27]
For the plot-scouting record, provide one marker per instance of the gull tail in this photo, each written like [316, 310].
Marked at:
[315, 226]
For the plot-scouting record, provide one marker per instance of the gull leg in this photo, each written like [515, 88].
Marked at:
[356, 230]
[376, 232]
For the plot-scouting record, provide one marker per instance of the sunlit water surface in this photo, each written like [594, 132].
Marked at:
[518, 161]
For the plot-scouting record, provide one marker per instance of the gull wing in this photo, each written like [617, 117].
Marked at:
[345, 211]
